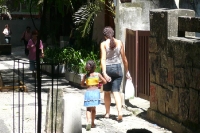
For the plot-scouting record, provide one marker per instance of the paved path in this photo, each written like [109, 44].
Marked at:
[12, 113]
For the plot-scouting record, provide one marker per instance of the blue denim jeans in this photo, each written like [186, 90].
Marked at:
[7, 39]
[32, 65]
[115, 72]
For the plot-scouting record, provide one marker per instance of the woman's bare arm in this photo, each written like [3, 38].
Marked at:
[103, 57]
[125, 62]
[103, 80]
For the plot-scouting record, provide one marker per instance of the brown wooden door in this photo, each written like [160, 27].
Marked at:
[137, 53]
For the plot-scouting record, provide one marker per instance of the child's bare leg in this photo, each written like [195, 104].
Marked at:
[93, 116]
[88, 117]
[88, 114]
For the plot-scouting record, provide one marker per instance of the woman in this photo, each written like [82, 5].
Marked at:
[111, 50]
[32, 51]
[7, 33]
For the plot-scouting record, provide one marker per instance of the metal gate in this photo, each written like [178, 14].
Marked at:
[137, 53]
[22, 105]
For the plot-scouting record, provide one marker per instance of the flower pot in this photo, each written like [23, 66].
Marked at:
[69, 76]
[125, 1]
[74, 78]
[59, 70]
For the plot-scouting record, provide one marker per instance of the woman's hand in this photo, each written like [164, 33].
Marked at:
[42, 55]
[108, 78]
[128, 76]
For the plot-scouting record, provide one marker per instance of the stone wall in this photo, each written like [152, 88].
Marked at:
[174, 72]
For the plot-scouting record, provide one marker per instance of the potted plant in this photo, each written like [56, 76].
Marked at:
[76, 66]
[54, 58]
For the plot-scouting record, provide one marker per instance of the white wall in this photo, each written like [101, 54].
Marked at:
[134, 15]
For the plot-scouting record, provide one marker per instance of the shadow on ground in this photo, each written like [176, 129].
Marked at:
[138, 131]
[3, 128]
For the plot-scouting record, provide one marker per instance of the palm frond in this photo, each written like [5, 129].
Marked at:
[84, 17]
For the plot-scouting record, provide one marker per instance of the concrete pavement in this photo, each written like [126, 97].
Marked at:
[133, 114]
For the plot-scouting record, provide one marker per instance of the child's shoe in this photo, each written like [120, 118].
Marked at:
[88, 127]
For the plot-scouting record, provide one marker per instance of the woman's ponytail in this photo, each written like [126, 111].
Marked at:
[109, 33]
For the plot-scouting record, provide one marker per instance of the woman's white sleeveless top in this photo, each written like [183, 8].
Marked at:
[112, 56]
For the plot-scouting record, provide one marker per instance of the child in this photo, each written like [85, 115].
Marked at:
[92, 95]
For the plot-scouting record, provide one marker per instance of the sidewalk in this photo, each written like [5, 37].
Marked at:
[135, 107]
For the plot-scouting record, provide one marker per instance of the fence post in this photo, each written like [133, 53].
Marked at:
[72, 114]
[54, 111]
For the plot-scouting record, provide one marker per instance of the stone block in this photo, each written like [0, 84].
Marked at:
[161, 94]
[173, 21]
[188, 78]
[172, 102]
[158, 26]
[153, 97]
[164, 24]
[189, 23]
[172, 41]
[152, 45]
[195, 75]
[167, 122]
[184, 51]
[154, 65]
[193, 53]
[184, 101]
[54, 112]
[193, 109]
[163, 58]
[170, 72]
[199, 107]
[179, 54]
[179, 77]
[168, 98]
[5, 49]
[72, 114]
[161, 77]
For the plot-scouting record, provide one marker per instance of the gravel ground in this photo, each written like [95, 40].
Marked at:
[19, 109]
[26, 111]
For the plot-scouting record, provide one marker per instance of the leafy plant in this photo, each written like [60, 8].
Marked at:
[74, 60]
[55, 55]
[90, 56]
[84, 17]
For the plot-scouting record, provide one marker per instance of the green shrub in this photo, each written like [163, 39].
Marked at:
[74, 60]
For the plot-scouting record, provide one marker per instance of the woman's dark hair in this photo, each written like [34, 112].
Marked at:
[90, 66]
[109, 33]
